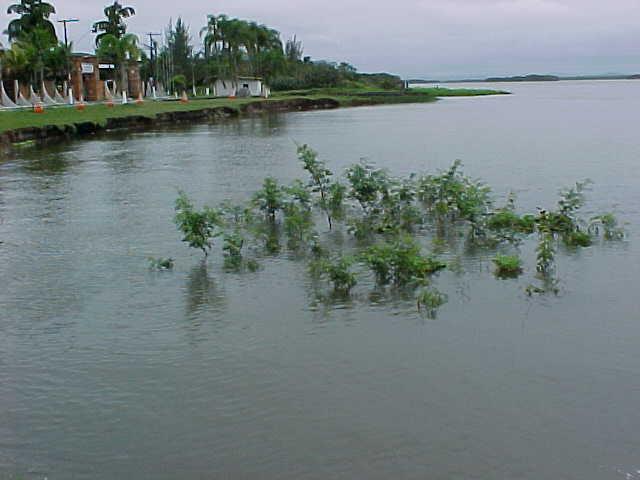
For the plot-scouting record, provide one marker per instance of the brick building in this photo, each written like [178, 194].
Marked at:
[86, 78]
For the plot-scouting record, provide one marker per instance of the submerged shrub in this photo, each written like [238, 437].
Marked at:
[383, 212]
[507, 266]
[335, 201]
[452, 194]
[298, 220]
[398, 209]
[400, 261]
[340, 275]
[298, 224]
[508, 220]
[573, 199]
[545, 254]
[577, 238]
[429, 300]
[268, 233]
[240, 215]
[160, 263]
[253, 265]
[199, 227]
[269, 198]
[367, 185]
[232, 249]
[609, 225]
[320, 181]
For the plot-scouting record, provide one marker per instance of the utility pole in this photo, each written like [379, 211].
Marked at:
[152, 47]
[64, 21]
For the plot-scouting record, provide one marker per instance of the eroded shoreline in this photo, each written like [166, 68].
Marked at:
[56, 133]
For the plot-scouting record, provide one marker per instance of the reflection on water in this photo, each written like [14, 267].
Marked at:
[110, 371]
[202, 294]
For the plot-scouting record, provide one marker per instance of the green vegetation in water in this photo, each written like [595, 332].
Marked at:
[608, 224]
[199, 227]
[270, 199]
[331, 194]
[161, 263]
[387, 218]
[338, 272]
[232, 247]
[507, 266]
[430, 300]
[401, 262]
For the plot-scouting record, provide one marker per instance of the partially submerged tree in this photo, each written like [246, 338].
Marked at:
[199, 227]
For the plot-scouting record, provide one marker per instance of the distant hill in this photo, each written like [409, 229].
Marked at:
[525, 78]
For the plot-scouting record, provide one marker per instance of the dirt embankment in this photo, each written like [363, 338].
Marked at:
[53, 133]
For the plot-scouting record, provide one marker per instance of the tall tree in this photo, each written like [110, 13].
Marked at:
[114, 23]
[181, 51]
[293, 50]
[234, 47]
[34, 15]
[35, 45]
[210, 34]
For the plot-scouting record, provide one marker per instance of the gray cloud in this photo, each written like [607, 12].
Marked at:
[429, 38]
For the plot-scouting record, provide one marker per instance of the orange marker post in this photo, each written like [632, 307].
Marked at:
[38, 108]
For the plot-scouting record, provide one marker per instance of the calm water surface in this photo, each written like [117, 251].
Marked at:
[108, 370]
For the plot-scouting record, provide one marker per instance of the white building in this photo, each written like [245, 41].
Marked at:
[243, 87]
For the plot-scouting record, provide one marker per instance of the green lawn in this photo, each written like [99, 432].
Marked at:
[65, 115]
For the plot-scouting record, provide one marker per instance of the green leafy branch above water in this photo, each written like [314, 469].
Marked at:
[387, 221]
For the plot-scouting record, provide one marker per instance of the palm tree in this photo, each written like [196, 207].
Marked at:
[210, 35]
[36, 45]
[114, 24]
[263, 46]
[119, 51]
[34, 14]
[16, 63]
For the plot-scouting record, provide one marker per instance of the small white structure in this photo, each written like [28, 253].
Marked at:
[242, 87]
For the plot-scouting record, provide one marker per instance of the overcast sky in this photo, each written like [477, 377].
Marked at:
[418, 38]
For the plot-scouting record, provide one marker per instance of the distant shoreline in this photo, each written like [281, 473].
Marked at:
[528, 78]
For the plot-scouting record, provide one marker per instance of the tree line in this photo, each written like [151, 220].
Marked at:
[231, 48]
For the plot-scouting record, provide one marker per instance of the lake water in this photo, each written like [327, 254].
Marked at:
[109, 370]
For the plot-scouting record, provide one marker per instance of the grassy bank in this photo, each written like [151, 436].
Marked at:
[65, 115]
